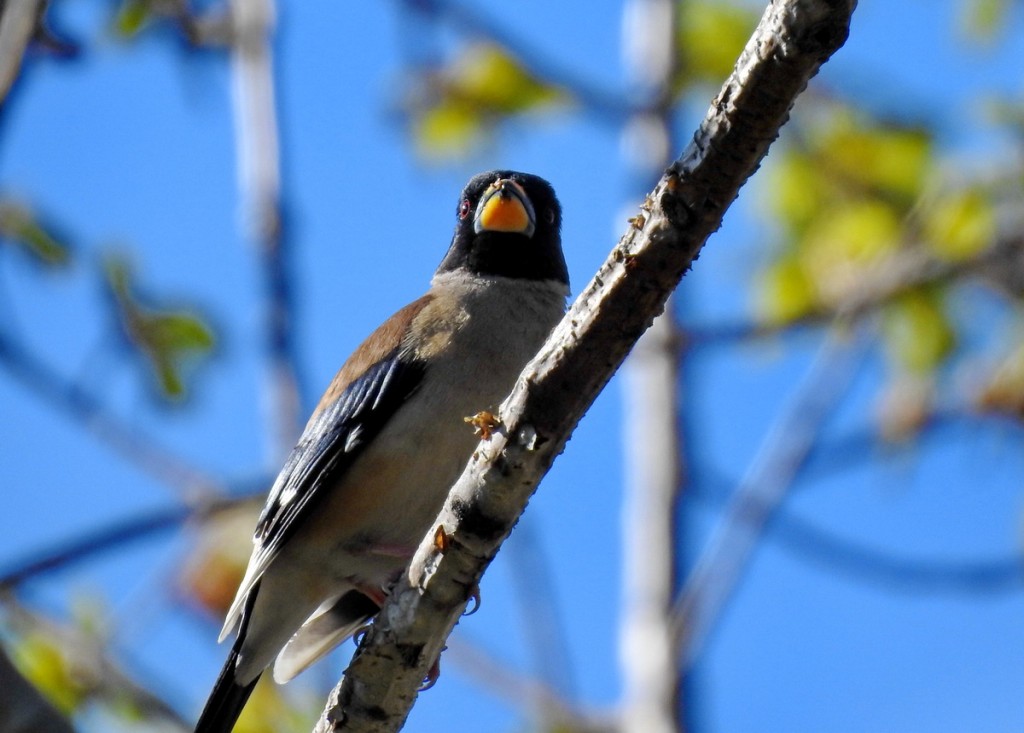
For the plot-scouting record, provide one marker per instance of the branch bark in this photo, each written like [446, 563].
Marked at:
[791, 42]
[652, 683]
[18, 21]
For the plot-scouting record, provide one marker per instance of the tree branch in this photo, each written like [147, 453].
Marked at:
[113, 536]
[259, 174]
[813, 543]
[18, 22]
[793, 39]
[653, 440]
[782, 456]
[86, 409]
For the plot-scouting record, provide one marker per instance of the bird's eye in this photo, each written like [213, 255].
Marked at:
[464, 208]
[549, 215]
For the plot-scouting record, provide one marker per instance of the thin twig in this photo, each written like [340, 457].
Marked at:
[469, 19]
[537, 592]
[779, 461]
[518, 689]
[903, 574]
[88, 410]
[110, 537]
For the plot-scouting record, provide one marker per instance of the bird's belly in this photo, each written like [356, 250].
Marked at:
[369, 524]
[389, 497]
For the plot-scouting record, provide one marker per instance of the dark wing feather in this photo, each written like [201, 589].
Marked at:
[372, 385]
[329, 445]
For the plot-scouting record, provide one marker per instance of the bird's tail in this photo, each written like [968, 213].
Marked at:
[226, 701]
[323, 632]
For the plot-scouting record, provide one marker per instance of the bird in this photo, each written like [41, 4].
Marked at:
[374, 463]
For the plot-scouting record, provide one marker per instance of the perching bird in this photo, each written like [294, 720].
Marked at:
[374, 464]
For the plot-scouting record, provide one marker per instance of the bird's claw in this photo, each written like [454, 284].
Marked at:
[475, 596]
[432, 675]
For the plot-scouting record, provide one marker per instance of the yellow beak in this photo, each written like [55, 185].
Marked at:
[505, 207]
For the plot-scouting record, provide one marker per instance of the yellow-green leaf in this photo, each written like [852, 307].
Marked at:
[166, 339]
[785, 293]
[893, 159]
[840, 246]
[41, 661]
[797, 189]
[266, 712]
[19, 226]
[711, 36]
[481, 86]
[960, 225]
[131, 16]
[983, 19]
[489, 76]
[448, 129]
[178, 332]
[918, 334]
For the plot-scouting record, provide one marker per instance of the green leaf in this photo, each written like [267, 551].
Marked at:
[785, 292]
[711, 36]
[40, 659]
[486, 75]
[131, 16]
[168, 340]
[460, 104]
[178, 332]
[918, 334]
[982, 20]
[891, 159]
[18, 225]
[798, 189]
[449, 129]
[960, 225]
[855, 232]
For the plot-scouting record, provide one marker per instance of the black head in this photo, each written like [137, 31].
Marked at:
[508, 224]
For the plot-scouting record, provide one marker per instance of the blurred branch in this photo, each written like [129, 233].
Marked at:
[94, 672]
[517, 689]
[260, 182]
[652, 681]
[468, 19]
[792, 41]
[537, 594]
[87, 410]
[782, 456]
[18, 22]
[1001, 265]
[22, 708]
[866, 564]
[883, 567]
[113, 537]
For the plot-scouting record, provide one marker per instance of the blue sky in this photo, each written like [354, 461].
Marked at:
[132, 147]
